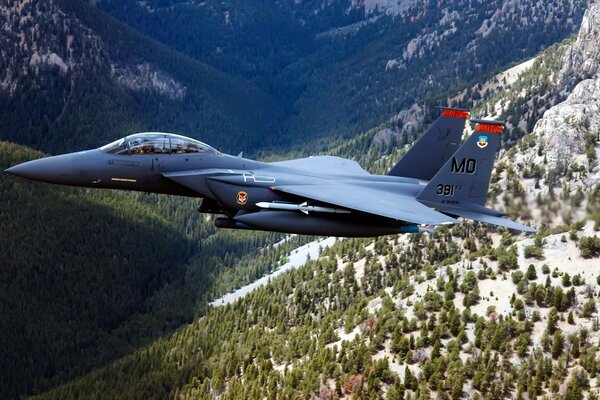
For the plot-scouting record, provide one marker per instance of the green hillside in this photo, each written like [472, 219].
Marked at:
[87, 277]
[395, 318]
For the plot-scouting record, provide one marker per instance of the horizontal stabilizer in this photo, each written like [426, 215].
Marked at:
[472, 207]
[490, 219]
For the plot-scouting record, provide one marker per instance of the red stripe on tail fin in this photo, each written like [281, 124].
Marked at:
[448, 112]
[489, 128]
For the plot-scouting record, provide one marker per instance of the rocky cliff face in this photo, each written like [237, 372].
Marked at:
[492, 21]
[390, 7]
[582, 58]
[563, 129]
[568, 132]
[566, 136]
[40, 42]
[147, 77]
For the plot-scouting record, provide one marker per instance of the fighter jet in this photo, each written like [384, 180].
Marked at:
[434, 183]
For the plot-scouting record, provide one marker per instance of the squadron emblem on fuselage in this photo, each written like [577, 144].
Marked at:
[242, 198]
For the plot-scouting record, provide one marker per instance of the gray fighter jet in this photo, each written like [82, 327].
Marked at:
[434, 183]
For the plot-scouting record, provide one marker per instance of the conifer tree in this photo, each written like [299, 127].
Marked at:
[558, 343]
[552, 321]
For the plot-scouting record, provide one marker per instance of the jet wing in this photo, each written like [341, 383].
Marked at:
[372, 201]
[331, 164]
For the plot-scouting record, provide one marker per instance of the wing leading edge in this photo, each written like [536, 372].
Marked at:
[372, 201]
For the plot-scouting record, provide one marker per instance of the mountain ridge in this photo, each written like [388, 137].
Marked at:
[339, 85]
[137, 81]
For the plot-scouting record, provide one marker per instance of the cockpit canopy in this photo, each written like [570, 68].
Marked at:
[155, 143]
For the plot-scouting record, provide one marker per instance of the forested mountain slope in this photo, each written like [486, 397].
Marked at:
[87, 277]
[90, 277]
[73, 77]
[68, 282]
[459, 313]
[340, 67]
[466, 311]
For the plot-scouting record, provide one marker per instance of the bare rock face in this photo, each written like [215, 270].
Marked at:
[426, 42]
[37, 38]
[582, 58]
[390, 7]
[406, 123]
[146, 77]
[409, 120]
[384, 137]
[563, 128]
[421, 45]
[49, 59]
[563, 100]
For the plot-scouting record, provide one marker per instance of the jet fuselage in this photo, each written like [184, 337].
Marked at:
[435, 182]
[227, 185]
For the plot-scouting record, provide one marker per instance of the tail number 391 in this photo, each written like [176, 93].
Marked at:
[447, 190]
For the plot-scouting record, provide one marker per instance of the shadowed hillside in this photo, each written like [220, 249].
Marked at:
[87, 277]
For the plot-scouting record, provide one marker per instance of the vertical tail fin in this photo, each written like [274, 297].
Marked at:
[465, 178]
[461, 185]
[434, 148]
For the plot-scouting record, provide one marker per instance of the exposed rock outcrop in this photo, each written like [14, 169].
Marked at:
[390, 7]
[409, 120]
[563, 128]
[147, 77]
[49, 59]
[39, 37]
[582, 58]
[403, 125]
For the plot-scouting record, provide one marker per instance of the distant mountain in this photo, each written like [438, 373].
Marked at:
[73, 77]
[259, 74]
[340, 67]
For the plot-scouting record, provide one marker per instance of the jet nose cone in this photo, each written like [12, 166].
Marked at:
[49, 169]
[30, 170]
[12, 170]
